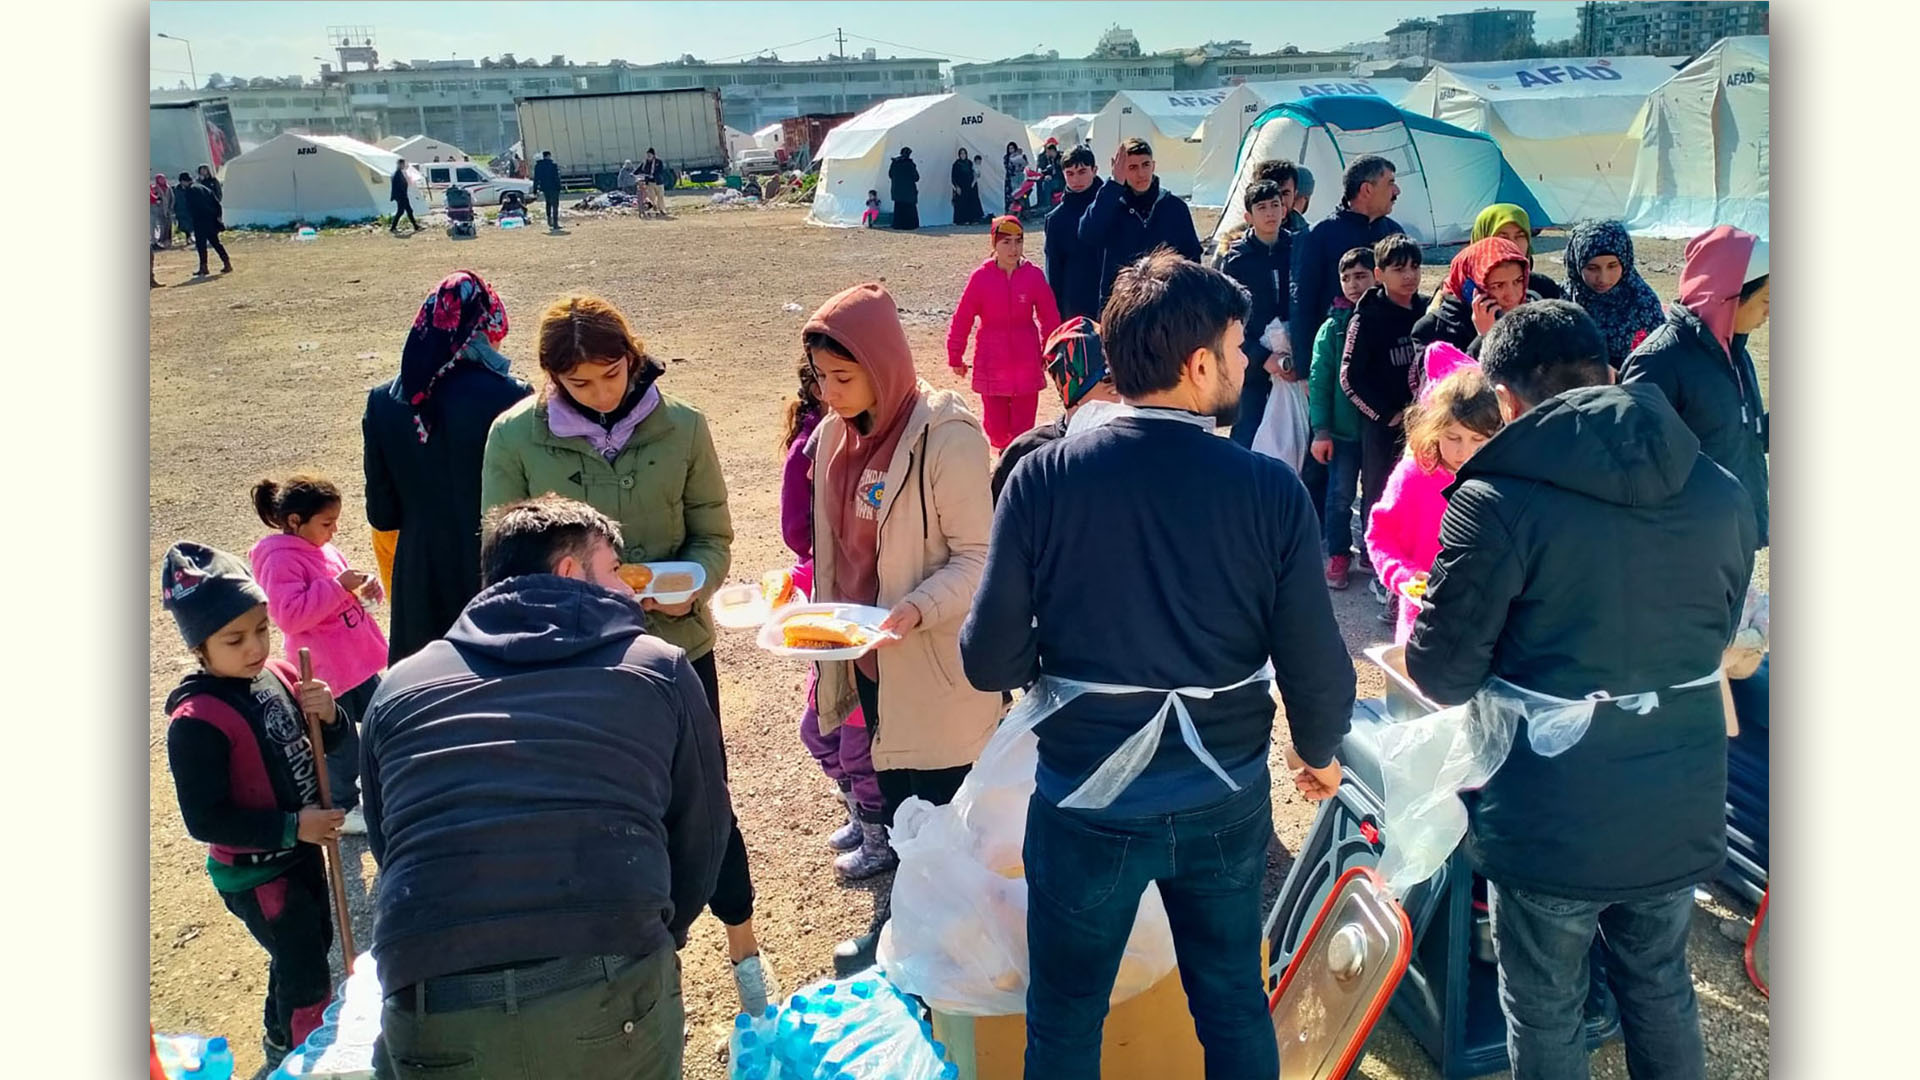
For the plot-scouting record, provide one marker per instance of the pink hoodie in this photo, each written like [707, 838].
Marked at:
[1016, 314]
[313, 611]
[1711, 279]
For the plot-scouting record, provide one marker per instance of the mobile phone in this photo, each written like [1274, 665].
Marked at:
[1466, 293]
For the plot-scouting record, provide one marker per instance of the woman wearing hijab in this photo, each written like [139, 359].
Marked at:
[1016, 163]
[901, 512]
[160, 211]
[1512, 224]
[966, 193]
[601, 431]
[1699, 358]
[904, 176]
[423, 434]
[1601, 278]
[1487, 279]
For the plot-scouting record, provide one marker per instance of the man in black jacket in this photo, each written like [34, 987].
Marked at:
[1131, 215]
[1543, 581]
[1261, 260]
[203, 206]
[402, 203]
[653, 174]
[1073, 268]
[1367, 198]
[544, 794]
[546, 181]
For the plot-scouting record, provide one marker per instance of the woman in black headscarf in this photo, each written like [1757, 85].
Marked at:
[424, 433]
[905, 176]
[966, 191]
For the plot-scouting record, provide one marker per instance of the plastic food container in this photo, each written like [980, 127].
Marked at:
[745, 607]
[868, 618]
[683, 581]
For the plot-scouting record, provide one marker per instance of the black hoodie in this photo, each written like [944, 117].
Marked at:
[545, 781]
[1589, 546]
[1379, 367]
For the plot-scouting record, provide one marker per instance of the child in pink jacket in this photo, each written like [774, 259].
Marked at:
[1014, 304]
[1456, 414]
[314, 597]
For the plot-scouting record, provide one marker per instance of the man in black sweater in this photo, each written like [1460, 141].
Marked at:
[546, 181]
[1073, 268]
[544, 793]
[1147, 552]
[1543, 581]
[1130, 215]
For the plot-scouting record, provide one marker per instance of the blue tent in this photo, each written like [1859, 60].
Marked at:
[1447, 175]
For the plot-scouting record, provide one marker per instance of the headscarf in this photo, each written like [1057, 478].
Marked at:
[1006, 225]
[1478, 259]
[460, 306]
[1501, 214]
[157, 191]
[1630, 310]
[1075, 360]
[1714, 273]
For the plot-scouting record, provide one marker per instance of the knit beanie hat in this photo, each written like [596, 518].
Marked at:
[205, 589]
[1303, 180]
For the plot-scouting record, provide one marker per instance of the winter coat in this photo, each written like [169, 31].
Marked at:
[664, 489]
[1450, 320]
[905, 177]
[430, 493]
[397, 186]
[203, 208]
[1267, 274]
[1114, 226]
[1073, 268]
[653, 172]
[1403, 531]
[547, 780]
[1590, 546]
[314, 612]
[1016, 313]
[1329, 412]
[935, 515]
[1717, 397]
[546, 176]
[1380, 367]
[1316, 267]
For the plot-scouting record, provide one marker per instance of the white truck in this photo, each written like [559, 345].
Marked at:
[185, 135]
[592, 134]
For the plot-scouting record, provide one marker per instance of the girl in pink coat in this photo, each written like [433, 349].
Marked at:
[314, 597]
[1011, 299]
[1456, 414]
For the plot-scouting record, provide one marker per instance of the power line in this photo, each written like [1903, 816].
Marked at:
[918, 49]
[774, 48]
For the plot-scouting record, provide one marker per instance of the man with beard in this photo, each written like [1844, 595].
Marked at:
[1073, 268]
[1131, 214]
[1161, 492]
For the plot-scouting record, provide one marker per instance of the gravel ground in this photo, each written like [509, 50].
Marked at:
[263, 371]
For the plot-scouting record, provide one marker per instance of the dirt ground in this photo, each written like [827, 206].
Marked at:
[264, 371]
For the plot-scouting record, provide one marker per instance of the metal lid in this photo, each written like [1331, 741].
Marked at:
[1341, 978]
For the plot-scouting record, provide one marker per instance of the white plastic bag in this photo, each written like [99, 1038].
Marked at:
[1284, 429]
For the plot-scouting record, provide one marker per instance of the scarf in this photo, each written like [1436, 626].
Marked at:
[1714, 273]
[1478, 259]
[458, 308]
[1075, 361]
[607, 433]
[1630, 310]
[1495, 217]
[157, 191]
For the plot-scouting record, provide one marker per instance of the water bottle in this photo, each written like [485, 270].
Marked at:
[215, 1063]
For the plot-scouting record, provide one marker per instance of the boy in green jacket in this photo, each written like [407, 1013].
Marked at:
[1335, 422]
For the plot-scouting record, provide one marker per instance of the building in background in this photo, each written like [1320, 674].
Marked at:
[1486, 34]
[263, 108]
[1666, 28]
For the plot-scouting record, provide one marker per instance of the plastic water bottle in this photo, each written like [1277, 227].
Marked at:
[216, 1062]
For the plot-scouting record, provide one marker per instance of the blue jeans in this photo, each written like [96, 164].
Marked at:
[1343, 478]
[1541, 943]
[1085, 875]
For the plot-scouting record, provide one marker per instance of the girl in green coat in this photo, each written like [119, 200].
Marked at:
[600, 431]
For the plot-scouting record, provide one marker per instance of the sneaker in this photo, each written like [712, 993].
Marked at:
[846, 837]
[355, 824]
[1390, 613]
[1337, 571]
[753, 978]
[874, 856]
[275, 1051]
[1377, 591]
[1360, 560]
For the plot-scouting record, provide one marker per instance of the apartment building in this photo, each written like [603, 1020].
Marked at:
[1038, 85]
[1669, 28]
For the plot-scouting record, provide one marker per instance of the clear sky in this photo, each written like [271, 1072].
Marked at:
[277, 39]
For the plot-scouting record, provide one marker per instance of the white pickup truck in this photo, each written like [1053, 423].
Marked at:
[486, 188]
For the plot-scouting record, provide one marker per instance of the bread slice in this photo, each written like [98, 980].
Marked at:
[819, 631]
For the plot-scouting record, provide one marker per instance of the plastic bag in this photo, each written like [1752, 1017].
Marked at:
[1284, 428]
[958, 935]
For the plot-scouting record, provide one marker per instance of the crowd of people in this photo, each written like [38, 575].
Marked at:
[191, 206]
[536, 759]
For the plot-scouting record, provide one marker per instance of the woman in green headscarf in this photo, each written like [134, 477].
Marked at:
[1511, 223]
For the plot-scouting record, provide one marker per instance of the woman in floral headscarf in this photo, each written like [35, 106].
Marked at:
[424, 433]
[1487, 279]
[1601, 278]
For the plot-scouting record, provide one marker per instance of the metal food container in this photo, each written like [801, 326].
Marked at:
[1404, 700]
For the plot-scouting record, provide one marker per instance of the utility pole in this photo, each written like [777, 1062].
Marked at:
[840, 42]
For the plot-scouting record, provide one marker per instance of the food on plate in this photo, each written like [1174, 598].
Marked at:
[1416, 588]
[818, 631]
[678, 581]
[777, 587]
[637, 575]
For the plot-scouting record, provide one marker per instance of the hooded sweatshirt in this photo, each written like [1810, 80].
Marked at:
[1016, 313]
[1122, 225]
[545, 781]
[1379, 368]
[306, 601]
[1544, 579]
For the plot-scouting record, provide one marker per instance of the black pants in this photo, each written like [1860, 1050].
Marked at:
[208, 238]
[906, 215]
[732, 901]
[1379, 450]
[937, 786]
[291, 918]
[553, 222]
[403, 205]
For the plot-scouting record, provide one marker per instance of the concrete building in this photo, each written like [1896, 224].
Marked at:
[1462, 37]
[1666, 28]
[260, 113]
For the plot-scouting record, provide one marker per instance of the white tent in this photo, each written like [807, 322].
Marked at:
[1069, 128]
[390, 142]
[1704, 144]
[856, 155]
[293, 179]
[1224, 128]
[767, 137]
[1445, 175]
[1167, 119]
[1562, 123]
[423, 148]
[737, 141]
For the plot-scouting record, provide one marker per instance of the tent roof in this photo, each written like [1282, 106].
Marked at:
[1537, 79]
[426, 144]
[1176, 112]
[863, 132]
[287, 143]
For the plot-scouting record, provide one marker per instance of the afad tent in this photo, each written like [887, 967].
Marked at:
[1703, 146]
[390, 142]
[424, 148]
[1226, 126]
[1070, 129]
[1446, 175]
[767, 137]
[856, 155]
[1562, 123]
[1167, 119]
[309, 179]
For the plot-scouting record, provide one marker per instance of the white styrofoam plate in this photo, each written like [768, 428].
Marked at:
[652, 591]
[867, 617]
[744, 607]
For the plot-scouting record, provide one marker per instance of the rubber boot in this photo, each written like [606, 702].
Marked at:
[847, 837]
[873, 857]
[856, 955]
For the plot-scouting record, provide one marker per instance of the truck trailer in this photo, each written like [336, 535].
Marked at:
[184, 135]
[592, 134]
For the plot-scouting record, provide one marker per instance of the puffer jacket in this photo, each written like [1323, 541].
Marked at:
[1016, 312]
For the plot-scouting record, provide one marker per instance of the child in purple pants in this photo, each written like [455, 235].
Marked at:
[845, 754]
